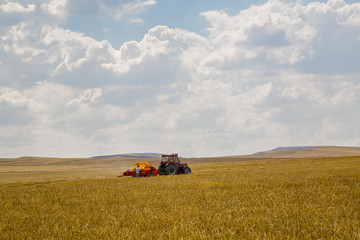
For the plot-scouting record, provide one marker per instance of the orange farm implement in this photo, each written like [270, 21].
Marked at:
[146, 170]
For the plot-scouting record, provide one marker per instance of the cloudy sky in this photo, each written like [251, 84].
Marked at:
[201, 78]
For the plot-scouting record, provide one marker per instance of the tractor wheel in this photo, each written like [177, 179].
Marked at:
[150, 175]
[186, 170]
[170, 170]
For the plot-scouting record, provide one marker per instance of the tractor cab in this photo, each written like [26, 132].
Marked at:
[172, 158]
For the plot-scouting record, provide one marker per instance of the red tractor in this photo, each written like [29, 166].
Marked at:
[170, 165]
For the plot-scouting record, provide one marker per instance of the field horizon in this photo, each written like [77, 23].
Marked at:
[47, 169]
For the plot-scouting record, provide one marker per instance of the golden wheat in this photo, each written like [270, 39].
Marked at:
[268, 199]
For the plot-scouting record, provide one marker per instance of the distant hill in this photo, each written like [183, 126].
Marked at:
[280, 152]
[286, 153]
[131, 155]
[308, 151]
[281, 149]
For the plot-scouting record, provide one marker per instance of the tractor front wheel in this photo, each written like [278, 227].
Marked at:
[170, 170]
[186, 170]
[161, 170]
[150, 175]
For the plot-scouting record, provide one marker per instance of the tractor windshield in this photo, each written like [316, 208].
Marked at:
[172, 158]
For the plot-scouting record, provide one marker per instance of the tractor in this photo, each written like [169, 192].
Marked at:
[170, 165]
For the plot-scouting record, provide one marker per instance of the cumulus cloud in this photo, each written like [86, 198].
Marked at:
[18, 40]
[275, 31]
[17, 99]
[265, 77]
[56, 8]
[15, 7]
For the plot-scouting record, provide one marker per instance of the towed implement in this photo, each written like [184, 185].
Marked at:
[146, 170]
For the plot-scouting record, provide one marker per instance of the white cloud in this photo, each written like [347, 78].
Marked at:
[120, 10]
[56, 8]
[70, 47]
[246, 86]
[17, 40]
[88, 96]
[133, 8]
[67, 50]
[136, 21]
[17, 99]
[275, 30]
[159, 41]
[15, 7]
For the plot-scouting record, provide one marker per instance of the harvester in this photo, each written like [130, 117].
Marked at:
[170, 165]
[146, 170]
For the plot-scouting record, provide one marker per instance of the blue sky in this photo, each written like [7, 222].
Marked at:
[172, 13]
[202, 78]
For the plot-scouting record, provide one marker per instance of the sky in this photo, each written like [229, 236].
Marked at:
[200, 78]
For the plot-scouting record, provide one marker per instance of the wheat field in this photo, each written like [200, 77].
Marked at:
[312, 198]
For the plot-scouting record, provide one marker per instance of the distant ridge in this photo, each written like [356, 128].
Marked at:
[280, 152]
[281, 149]
[308, 151]
[131, 155]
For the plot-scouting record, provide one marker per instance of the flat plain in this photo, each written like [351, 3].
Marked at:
[275, 198]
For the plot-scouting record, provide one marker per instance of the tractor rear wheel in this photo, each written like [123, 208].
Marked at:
[150, 175]
[186, 170]
[171, 170]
